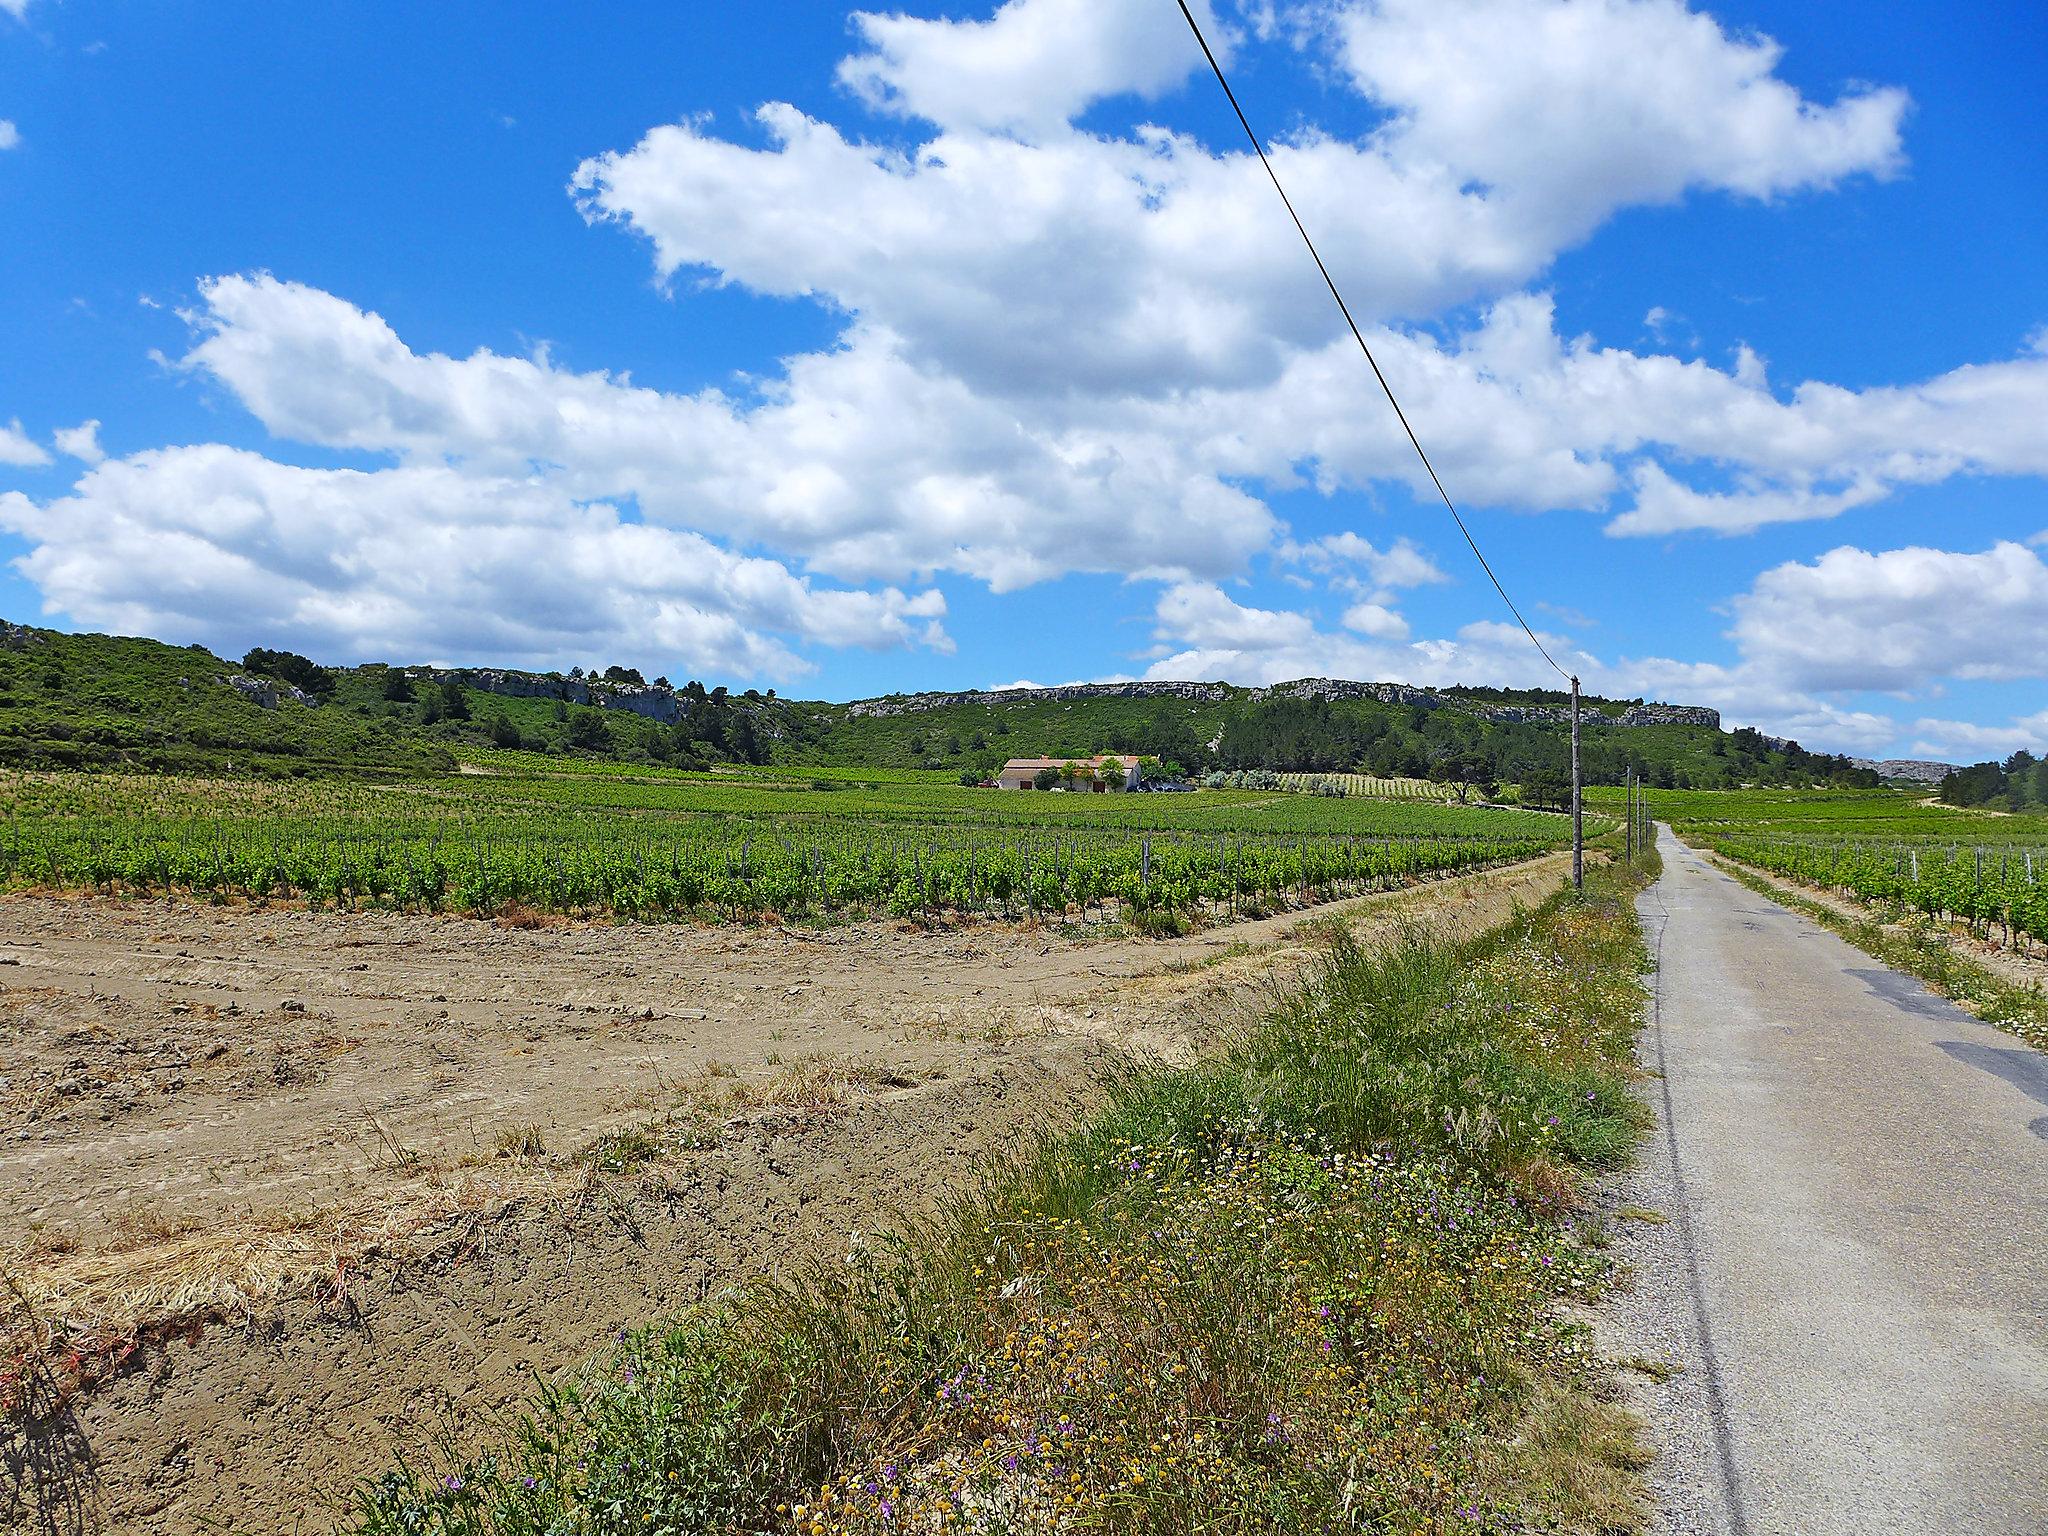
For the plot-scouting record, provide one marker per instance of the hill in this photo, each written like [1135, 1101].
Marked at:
[90, 701]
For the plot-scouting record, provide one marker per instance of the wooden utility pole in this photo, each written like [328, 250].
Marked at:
[1578, 817]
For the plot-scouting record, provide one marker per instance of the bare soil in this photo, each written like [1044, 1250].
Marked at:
[299, 1188]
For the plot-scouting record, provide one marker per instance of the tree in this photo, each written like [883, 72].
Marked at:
[1046, 778]
[397, 686]
[290, 667]
[588, 731]
[454, 701]
[1545, 786]
[1466, 771]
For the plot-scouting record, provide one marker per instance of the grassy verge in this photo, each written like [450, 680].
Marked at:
[1913, 945]
[1312, 1283]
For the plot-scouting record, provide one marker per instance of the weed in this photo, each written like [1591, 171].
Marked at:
[522, 1141]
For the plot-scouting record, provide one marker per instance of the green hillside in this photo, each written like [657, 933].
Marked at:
[95, 701]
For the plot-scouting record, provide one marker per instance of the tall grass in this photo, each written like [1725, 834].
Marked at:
[1308, 1284]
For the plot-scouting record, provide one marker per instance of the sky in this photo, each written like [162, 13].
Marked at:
[850, 352]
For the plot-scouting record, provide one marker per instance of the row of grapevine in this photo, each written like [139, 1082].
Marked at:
[636, 868]
[1988, 888]
[1367, 785]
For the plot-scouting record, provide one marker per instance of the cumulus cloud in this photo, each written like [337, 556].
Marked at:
[1205, 633]
[1638, 102]
[1376, 620]
[19, 449]
[1963, 741]
[1900, 619]
[220, 545]
[1143, 262]
[863, 464]
[1808, 637]
[1031, 67]
[1359, 564]
[1663, 505]
[81, 442]
[10, 136]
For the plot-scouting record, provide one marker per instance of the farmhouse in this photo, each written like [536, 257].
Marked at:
[1106, 771]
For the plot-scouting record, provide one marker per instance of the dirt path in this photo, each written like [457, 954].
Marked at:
[1857, 1174]
[387, 1120]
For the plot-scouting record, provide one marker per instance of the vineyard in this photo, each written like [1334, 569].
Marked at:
[1366, 785]
[733, 846]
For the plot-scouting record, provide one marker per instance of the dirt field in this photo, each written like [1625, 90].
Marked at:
[302, 1187]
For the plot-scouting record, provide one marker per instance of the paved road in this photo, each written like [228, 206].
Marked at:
[1861, 1176]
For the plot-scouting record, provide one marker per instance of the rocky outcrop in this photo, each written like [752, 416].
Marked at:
[1915, 770]
[19, 637]
[266, 692]
[1332, 688]
[1561, 714]
[654, 701]
[919, 703]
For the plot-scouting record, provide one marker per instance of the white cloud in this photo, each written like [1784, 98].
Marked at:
[1204, 633]
[1962, 741]
[224, 546]
[1898, 620]
[1662, 505]
[18, 9]
[1806, 635]
[1376, 620]
[1144, 263]
[863, 464]
[10, 136]
[1570, 108]
[1031, 67]
[1380, 571]
[19, 449]
[81, 442]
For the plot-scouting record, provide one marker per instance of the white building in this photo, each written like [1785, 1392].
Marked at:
[1107, 771]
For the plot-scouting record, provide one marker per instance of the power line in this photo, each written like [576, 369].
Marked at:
[1359, 336]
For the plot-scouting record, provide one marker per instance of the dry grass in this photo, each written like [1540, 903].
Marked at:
[1581, 1457]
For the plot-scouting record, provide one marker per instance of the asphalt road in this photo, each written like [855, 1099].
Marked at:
[1859, 1172]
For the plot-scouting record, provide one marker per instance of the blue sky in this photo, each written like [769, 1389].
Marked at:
[787, 346]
